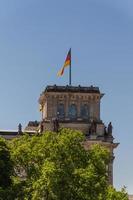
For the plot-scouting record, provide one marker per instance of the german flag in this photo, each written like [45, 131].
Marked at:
[66, 63]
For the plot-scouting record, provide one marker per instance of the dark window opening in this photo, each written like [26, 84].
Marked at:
[72, 112]
[84, 112]
[61, 111]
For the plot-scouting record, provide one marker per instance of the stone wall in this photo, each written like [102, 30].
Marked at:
[51, 101]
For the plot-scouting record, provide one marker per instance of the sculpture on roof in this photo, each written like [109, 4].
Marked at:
[55, 125]
[92, 129]
[110, 128]
[19, 129]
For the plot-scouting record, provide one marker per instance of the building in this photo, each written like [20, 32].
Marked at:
[77, 108]
[72, 107]
[10, 134]
[130, 197]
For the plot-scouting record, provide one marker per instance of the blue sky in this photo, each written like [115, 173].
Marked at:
[35, 36]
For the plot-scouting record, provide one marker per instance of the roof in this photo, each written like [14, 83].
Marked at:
[10, 134]
[34, 123]
[32, 126]
[68, 88]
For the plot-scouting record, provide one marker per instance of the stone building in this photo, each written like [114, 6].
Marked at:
[77, 108]
[130, 197]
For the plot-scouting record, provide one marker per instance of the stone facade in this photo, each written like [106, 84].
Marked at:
[130, 197]
[77, 108]
[55, 98]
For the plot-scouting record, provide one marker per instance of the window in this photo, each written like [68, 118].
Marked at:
[72, 112]
[84, 112]
[60, 111]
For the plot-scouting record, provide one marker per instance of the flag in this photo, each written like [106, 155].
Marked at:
[66, 63]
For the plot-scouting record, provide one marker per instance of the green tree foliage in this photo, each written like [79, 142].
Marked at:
[6, 169]
[55, 166]
[112, 194]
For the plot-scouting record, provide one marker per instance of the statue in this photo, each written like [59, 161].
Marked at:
[55, 125]
[92, 129]
[19, 129]
[110, 128]
[41, 127]
[105, 131]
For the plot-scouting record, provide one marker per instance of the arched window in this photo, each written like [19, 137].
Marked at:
[61, 111]
[84, 112]
[72, 112]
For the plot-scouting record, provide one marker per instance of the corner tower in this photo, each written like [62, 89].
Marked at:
[77, 108]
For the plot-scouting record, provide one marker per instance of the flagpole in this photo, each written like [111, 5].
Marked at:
[70, 71]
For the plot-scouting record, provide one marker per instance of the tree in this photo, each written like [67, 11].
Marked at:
[55, 166]
[112, 194]
[6, 166]
[6, 171]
